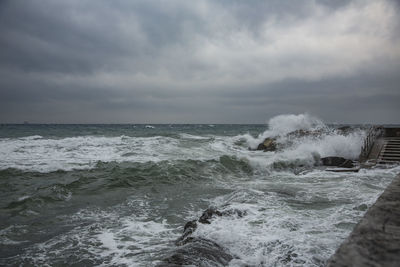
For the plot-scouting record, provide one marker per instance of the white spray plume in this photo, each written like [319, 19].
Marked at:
[283, 124]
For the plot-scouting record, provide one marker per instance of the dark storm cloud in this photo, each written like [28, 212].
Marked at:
[198, 61]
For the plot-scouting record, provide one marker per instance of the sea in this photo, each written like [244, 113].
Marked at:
[121, 195]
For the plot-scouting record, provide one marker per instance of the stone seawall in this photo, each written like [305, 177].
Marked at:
[375, 241]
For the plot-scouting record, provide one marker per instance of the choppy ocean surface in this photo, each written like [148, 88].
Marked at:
[120, 195]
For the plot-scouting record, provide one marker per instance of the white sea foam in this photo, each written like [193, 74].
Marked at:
[306, 149]
[44, 154]
[283, 124]
[32, 137]
[296, 222]
[300, 219]
[23, 198]
[133, 242]
[309, 149]
[194, 137]
[84, 152]
[109, 239]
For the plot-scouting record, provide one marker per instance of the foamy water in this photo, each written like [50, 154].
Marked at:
[36, 153]
[122, 200]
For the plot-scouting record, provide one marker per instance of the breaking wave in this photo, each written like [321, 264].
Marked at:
[313, 140]
[124, 200]
[303, 139]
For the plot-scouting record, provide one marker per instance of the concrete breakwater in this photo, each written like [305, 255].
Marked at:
[375, 241]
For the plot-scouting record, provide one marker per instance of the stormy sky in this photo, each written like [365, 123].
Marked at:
[200, 61]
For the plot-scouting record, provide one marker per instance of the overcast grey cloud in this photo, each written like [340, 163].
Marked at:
[177, 61]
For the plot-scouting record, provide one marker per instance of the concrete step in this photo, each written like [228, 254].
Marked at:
[390, 153]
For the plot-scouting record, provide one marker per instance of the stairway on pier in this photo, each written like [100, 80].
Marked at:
[390, 152]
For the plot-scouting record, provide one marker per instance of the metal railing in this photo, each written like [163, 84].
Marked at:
[374, 133]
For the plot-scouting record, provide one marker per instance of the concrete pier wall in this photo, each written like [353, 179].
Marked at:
[375, 241]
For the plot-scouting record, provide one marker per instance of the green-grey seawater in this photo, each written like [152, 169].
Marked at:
[119, 195]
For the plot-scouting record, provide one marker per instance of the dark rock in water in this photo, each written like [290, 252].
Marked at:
[199, 251]
[269, 144]
[337, 161]
[207, 214]
[239, 213]
[189, 228]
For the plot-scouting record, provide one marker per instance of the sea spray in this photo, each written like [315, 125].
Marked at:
[302, 140]
[121, 194]
[283, 124]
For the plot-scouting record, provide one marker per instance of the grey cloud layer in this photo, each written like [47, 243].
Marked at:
[198, 61]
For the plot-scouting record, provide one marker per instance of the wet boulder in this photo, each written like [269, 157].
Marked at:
[188, 229]
[208, 214]
[212, 212]
[337, 162]
[269, 144]
[199, 251]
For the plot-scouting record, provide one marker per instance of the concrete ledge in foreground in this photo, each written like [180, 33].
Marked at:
[375, 241]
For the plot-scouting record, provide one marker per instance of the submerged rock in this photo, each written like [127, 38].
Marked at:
[269, 144]
[337, 162]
